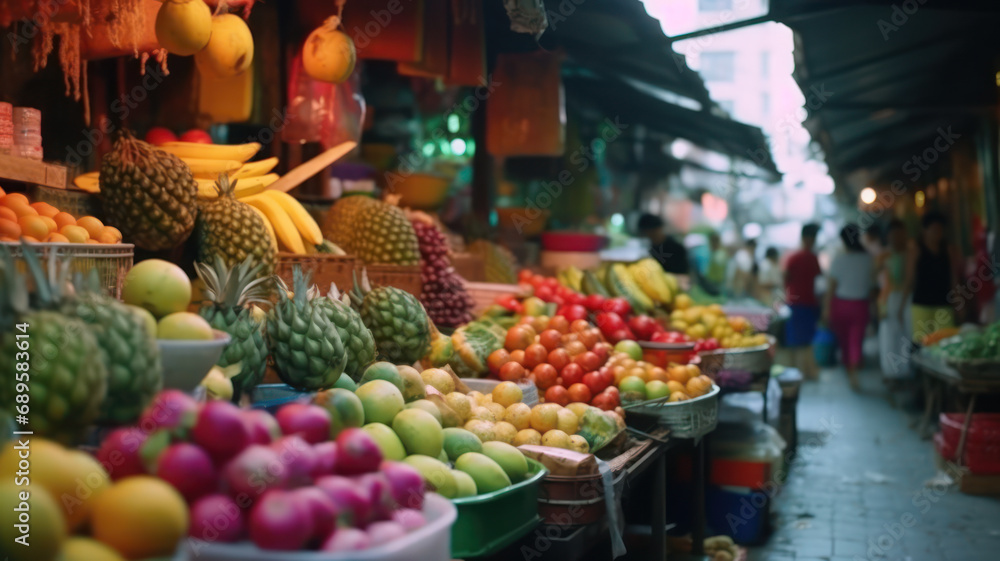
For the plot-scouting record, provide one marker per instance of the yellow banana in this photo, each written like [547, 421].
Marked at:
[203, 168]
[244, 187]
[238, 152]
[649, 276]
[89, 182]
[284, 228]
[254, 169]
[267, 224]
[300, 216]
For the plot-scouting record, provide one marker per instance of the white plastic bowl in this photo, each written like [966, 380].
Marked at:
[185, 363]
[430, 543]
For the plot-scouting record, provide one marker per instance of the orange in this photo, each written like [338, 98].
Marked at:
[678, 373]
[34, 226]
[545, 417]
[677, 396]
[92, 240]
[64, 219]
[9, 228]
[556, 439]
[2, 193]
[50, 223]
[638, 372]
[22, 209]
[657, 373]
[567, 421]
[14, 199]
[45, 209]
[30, 239]
[140, 517]
[75, 234]
[698, 386]
[7, 239]
[93, 225]
[8, 214]
[107, 237]
[114, 232]
[56, 237]
[676, 387]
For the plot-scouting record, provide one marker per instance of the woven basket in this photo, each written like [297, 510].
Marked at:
[77, 203]
[404, 277]
[693, 418]
[484, 294]
[111, 261]
[469, 266]
[324, 268]
[755, 360]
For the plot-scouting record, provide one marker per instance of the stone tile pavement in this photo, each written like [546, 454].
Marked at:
[859, 489]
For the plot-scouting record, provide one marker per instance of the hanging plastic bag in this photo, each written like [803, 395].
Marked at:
[346, 113]
[323, 112]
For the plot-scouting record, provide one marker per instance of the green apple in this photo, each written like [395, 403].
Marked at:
[157, 285]
[629, 347]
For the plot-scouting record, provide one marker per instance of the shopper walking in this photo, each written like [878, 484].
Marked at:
[931, 274]
[769, 279]
[671, 254]
[743, 280]
[846, 305]
[894, 331]
[718, 264]
[801, 272]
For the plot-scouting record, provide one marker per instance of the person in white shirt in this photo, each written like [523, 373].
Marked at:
[770, 280]
[851, 282]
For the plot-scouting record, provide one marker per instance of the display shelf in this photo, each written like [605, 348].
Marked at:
[35, 172]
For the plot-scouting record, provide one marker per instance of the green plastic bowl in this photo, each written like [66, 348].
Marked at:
[488, 523]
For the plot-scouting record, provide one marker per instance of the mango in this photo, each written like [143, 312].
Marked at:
[436, 474]
[459, 441]
[383, 371]
[386, 440]
[510, 459]
[345, 382]
[345, 408]
[419, 432]
[466, 486]
[487, 474]
[428, 406]
[413, 384]
[381, 401]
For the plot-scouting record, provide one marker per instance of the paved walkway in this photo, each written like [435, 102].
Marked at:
[859, 490]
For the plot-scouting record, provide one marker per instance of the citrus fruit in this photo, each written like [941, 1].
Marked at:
[140, 517]
[64, 219]
[507, 394]
[527, 436]
[498, 410]
[45, 209]
[519, 415]
[504, 432]
[567, 421]
[556, 438]
[75, 234]
[92, 225]
[86, 549]
[545, 417]
[578, 443]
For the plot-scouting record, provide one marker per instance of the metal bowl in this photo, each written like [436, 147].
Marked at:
[185, 363]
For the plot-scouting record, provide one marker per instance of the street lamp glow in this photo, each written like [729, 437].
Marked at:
[868, 195]
[458, 146]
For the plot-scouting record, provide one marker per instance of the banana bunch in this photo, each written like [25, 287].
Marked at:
[292, 225]
[653, 280]
[620, 282]
[571, 277]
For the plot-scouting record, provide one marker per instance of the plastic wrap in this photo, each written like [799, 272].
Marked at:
[323, 112]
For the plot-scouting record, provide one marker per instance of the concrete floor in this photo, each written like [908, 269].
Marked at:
[860, 488]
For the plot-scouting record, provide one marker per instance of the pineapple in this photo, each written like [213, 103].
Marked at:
[129, 350]
[338, 226]
[148, 193]
[233, 230]
[383, 234]
[229, 293]
[68, 377]
[356, 337]
[396, 319]
[306, 347]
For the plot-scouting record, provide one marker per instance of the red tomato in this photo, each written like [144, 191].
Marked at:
[557, 394]
[602, 350]
[618, 306]
[559, 323]
[594, 302]
[612, 391]
[609, 377]
[621, 335]
[605, 402]
[559, 358]
[545, 376]
[575, 348]
[160, 135]
[496, 360]
[574, 298]
[596, 382]
[512, 372]
[546, 293]
[510, 302]
[552, 283]
[517, 356]
[196, 135]
[609, 322]
[579, 325]
[519, 337]
[534, 355]
[572, 374]
[524, 275]
[643, 326]
[550, 339]
[573, 312]
[590, 337]
[580, 392]
[588, 361]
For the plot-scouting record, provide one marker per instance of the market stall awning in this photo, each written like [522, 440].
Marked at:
[883, 80]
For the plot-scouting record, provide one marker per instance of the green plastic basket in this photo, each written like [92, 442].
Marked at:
[488, 523]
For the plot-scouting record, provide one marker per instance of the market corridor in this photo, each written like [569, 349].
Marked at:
[862, 476]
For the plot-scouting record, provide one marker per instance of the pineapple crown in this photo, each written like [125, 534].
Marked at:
[225, 186]
[234, 287]
[302, 292]
[336, 294]
[357, 296]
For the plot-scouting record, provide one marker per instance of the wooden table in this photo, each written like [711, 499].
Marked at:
[938, 377]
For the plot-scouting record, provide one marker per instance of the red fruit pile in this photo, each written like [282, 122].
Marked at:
[444, 296]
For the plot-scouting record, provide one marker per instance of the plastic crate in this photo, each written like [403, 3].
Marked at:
[488, 523]
[430, 543]
[111, 261]
[980, 459]
[984, 428]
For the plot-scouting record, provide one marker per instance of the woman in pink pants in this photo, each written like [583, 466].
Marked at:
[848, 296]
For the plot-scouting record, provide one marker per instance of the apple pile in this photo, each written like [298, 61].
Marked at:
[278, 481]
[564, 359]
[638, 380]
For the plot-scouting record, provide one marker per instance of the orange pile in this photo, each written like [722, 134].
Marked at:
[41, 222]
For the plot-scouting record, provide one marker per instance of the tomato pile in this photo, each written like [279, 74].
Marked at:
[565, 359]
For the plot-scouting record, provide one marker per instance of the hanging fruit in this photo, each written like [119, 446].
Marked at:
[230, 49]
[328, 54]
[183, 27]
